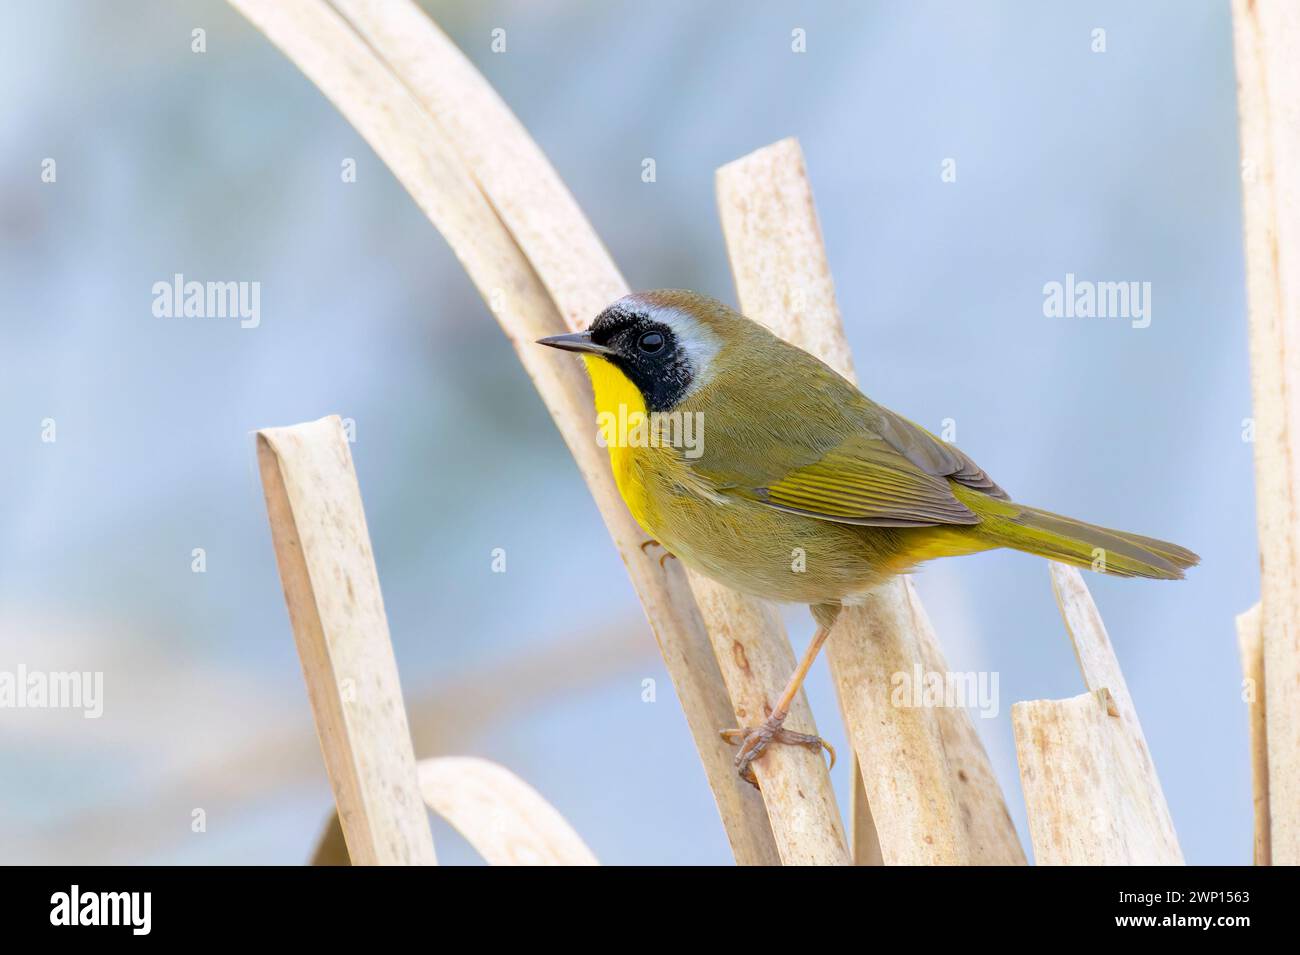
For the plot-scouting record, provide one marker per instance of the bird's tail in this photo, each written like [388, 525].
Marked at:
[1028, 529]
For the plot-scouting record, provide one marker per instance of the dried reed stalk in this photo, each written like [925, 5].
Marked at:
[987, 824]
[1101, 670]
[418, 149]
[1267, 43]
[932, 795]
[864, 841]
[1250, 641]
[748, 639]
[331, 848]
[501, 816]
[756, 661]
[323, 551]
[1085, 786]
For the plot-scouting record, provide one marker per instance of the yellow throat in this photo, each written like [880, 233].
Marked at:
[614, 390]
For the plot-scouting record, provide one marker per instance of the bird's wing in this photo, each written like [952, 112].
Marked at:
[839, 457]
[930, 454]
[866, 480]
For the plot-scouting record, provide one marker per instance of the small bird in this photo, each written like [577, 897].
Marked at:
[793, 485]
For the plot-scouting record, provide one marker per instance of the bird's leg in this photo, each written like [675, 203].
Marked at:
[754, 740]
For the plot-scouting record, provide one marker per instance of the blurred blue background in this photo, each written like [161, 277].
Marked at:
[225, 165]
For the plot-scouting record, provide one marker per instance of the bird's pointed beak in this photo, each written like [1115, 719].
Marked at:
[577, 341]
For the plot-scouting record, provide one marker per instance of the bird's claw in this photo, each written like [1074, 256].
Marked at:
[654, 543]
[755, 740]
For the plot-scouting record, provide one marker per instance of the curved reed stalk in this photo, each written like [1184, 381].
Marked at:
[420, 154]
[501, 816]
[571, 262]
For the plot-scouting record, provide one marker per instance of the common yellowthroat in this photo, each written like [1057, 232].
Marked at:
[795, 486]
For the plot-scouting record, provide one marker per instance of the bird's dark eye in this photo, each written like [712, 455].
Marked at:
[650, 342]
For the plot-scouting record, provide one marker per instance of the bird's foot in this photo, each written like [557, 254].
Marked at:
[755, 740]
[654, 543]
